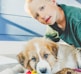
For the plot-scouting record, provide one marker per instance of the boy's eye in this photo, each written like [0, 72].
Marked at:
[41, 8]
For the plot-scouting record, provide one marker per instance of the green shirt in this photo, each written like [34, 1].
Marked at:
[72, 32]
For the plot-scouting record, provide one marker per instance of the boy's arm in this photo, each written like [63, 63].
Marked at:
[78, 32]
[52, 34]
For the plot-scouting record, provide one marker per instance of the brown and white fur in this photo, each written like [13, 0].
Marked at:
[48, 57]
[68, 71]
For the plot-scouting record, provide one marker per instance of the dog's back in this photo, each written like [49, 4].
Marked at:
[78, 55]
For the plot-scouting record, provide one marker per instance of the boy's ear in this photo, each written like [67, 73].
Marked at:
[54, 1]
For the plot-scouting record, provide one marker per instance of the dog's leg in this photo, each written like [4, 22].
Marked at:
[15, 70]
[18, 69]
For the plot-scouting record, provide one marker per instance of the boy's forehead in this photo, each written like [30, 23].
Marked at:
[34, 5]
[38, 2]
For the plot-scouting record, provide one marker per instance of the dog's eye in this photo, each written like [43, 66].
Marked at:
[33, 59]
[46, 56]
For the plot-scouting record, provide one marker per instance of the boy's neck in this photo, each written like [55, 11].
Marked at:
[61, 19]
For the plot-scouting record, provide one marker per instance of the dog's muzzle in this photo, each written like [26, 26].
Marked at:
[43, 67]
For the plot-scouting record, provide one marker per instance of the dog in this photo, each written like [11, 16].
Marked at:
[48, 57]
[69, 71]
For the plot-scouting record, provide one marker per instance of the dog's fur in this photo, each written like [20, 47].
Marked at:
[48, 57]
[68, 71]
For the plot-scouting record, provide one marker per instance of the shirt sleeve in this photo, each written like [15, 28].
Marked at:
[52, 34]
[78, 32]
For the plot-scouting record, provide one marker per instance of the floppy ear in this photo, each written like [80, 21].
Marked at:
[53, 48]
[24, 61]
[21, 58]
[55, 51]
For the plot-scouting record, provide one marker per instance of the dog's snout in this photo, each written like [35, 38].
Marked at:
[43, 70]
[43, 67]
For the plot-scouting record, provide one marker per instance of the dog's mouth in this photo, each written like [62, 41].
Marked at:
[44, 72]
[43, 67]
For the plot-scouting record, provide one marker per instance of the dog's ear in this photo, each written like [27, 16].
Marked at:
[21, 58]
[24, 61]
[53, 48]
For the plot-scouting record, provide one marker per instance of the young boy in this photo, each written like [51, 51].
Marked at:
[62, 20]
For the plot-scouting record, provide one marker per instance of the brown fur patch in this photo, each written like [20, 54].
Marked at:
[67, 71]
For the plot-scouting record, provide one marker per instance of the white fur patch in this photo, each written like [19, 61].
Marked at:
[38, 50]
[42, 64]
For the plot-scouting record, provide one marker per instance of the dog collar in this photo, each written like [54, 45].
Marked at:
[78, 70]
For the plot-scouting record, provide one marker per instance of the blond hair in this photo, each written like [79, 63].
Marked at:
[32, 0]
[28, 1]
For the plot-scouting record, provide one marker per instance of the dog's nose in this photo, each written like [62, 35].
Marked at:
[43, 70]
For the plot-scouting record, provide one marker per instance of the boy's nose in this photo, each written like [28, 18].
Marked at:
[41, 15]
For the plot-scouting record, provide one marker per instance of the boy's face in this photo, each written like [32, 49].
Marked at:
[45, 11]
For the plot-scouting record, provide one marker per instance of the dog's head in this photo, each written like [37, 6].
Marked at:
[39, 54]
